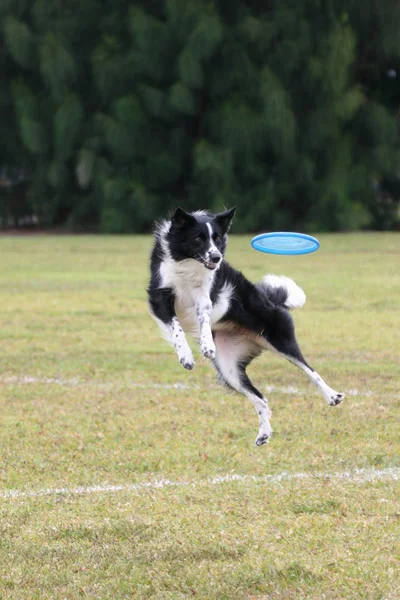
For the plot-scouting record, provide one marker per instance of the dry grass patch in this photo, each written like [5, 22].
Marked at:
[90, 395]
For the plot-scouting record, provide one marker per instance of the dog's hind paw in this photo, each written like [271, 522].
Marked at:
[336, 399]
[262, 439]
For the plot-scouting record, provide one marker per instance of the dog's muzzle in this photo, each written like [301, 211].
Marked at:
[211, 262]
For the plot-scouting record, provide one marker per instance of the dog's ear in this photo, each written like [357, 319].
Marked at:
[180, 218]
[224, 219]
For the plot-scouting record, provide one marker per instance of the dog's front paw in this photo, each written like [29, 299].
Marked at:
[185, 357]
[184, 353]
[208, 350]
[187, 364]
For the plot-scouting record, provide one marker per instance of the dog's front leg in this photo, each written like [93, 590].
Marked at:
[203, 313]
[180, 343]
[162, 308]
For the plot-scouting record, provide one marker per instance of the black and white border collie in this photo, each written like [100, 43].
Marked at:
[194, 290]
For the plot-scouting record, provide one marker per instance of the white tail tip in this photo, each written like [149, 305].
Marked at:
[296, 297]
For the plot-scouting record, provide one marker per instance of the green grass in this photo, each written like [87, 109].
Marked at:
[87, 398]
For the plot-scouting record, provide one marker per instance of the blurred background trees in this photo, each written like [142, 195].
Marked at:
[114, 112]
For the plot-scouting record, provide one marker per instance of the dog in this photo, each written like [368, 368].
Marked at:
[193, 290]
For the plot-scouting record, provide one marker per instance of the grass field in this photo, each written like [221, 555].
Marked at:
[95, 410]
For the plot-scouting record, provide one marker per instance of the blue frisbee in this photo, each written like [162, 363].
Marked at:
[285, 242]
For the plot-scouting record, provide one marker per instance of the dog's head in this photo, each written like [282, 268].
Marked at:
[201, 236]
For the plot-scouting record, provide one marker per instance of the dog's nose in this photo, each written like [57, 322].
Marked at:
[215, 258]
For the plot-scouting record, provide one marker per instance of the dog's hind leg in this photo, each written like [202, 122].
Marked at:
[281, 336]
[233, 354]
[332, 397]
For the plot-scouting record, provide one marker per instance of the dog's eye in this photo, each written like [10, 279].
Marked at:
[199, 239]
[217, 238]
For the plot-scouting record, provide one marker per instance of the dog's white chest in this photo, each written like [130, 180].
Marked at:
[191, 284]
[221, 306]
[185, 276]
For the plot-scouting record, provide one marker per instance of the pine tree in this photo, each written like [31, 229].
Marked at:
[288, 110]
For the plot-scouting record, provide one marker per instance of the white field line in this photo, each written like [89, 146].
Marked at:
[354, 476]
[75, 382]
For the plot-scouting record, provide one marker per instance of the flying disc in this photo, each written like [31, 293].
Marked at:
[285, 242]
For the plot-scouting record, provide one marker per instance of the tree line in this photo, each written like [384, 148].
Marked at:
[114, 112]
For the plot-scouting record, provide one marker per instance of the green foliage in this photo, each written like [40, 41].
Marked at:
[120, 112]
[181, 99]
[25, 102]
[339, 56]
[205, 38]
[33, 136]
[57, 175]
[108, 66]
[151, 41]
[85, 167]
[190, 70]
[19, 41]
[68, 120]
[278, 114]
[57, 66]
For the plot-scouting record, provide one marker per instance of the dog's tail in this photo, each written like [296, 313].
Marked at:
[281, 291]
